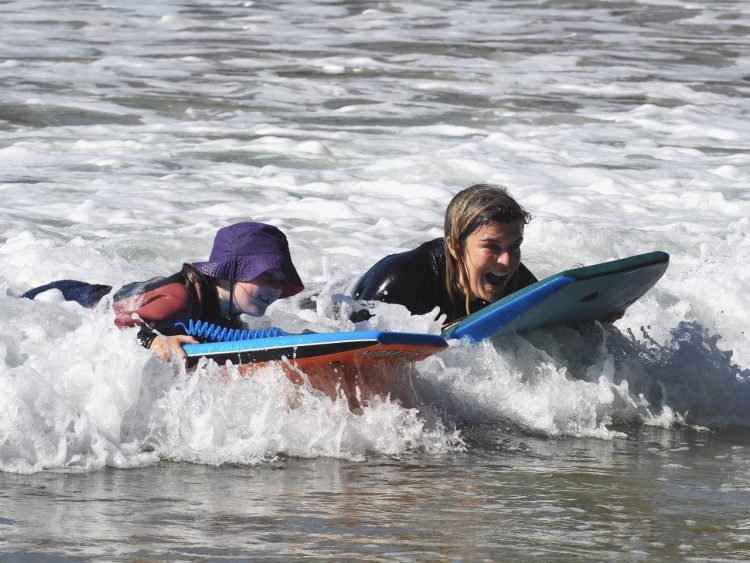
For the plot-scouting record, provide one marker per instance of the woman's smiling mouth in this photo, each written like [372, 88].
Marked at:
[495, 280]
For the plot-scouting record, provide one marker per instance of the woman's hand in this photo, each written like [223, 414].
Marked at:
[169, 347]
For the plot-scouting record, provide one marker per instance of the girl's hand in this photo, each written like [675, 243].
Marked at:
[169, 347]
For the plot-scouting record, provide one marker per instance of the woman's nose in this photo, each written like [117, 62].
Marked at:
[504, 258]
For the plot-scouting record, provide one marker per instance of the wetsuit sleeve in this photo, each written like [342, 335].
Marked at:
[159, 308]
[399, 278]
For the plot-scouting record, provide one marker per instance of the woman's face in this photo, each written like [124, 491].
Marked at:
[492, 254]
[254, 297]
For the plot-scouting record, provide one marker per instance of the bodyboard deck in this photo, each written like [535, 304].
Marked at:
[321, 348]
[591, 293]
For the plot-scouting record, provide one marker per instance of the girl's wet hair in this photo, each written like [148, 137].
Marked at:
[469, 210]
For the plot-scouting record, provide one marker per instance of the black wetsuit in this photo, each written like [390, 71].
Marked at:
[416, 279]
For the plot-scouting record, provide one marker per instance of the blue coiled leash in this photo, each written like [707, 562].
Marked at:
[218, 333]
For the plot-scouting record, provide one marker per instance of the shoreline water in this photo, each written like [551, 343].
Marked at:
[659, 495]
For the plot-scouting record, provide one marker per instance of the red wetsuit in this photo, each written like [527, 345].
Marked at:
[161, 303]
[155, 305]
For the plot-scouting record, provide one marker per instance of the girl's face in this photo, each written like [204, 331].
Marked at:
[492, 254]
[254, 297]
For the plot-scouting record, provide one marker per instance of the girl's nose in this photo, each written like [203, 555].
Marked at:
[504, 258]
[277, 286]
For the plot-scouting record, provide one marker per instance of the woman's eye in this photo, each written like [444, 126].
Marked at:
[498, 249]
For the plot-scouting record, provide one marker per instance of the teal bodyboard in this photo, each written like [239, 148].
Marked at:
[591, 293]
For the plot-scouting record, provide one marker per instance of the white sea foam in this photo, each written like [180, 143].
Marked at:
[351, 129]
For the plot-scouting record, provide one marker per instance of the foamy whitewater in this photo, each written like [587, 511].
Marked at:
[132, 131]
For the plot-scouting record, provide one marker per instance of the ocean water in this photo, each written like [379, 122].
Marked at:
[132, 131]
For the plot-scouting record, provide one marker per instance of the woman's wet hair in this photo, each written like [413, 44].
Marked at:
[469, 210]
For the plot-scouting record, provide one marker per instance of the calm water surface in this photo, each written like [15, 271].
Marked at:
[657, 495]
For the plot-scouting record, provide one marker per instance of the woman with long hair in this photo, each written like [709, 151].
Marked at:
[477, 262]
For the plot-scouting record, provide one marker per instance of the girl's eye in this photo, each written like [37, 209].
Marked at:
[271, 279]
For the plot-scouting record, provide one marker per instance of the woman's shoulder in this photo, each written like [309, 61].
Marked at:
[402, 271]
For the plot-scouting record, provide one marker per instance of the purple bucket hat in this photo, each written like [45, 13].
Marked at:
[244, 251]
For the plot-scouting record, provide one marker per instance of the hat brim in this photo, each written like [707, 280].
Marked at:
[248, 268]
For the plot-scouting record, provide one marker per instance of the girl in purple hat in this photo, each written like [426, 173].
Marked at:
[250, 267]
